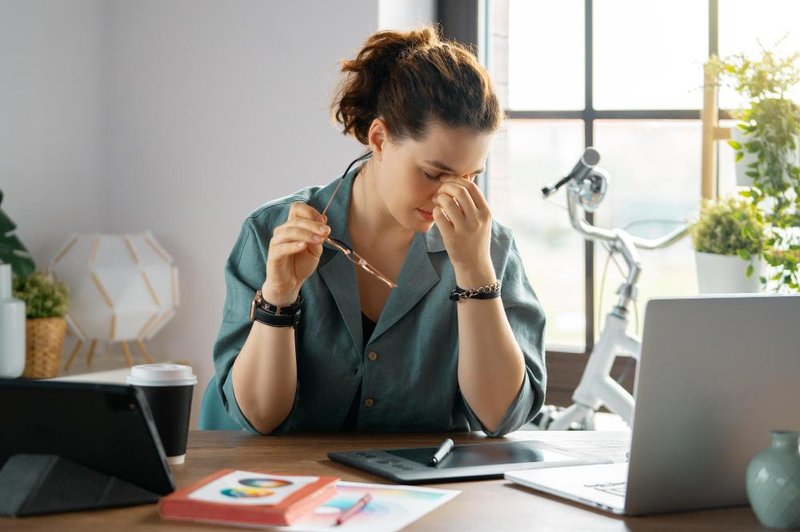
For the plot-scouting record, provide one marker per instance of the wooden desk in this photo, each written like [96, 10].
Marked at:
[488, 505]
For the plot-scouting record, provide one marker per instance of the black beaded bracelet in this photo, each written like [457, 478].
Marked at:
[490, 291]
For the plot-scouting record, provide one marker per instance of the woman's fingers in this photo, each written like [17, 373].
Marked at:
[304, 210]
[459, 206]
[296, 233]
[442, 222]
[312, 226]
[452, 209]
[473, 190]
[285, 249]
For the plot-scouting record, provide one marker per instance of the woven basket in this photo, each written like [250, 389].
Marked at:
[44, 339]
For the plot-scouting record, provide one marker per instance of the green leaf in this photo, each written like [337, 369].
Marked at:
[12, 251]
[749, 271]
[739, 156]
[763, 279]
[735, 145]
[744, 254]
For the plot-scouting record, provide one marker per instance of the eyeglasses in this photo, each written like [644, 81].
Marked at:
[348, 252]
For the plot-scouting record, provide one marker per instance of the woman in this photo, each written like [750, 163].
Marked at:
[430, 324]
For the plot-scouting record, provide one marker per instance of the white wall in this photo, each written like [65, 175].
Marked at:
[52, 57]
[405, 14]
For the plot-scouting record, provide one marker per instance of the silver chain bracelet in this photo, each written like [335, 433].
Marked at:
[489, 291]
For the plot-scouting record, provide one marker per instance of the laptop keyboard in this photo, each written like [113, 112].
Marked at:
[614, 488]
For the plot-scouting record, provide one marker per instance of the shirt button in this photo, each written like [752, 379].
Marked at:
[369, 402]
[373, 356]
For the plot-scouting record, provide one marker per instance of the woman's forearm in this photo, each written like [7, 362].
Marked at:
[491, 367]
[265, 376]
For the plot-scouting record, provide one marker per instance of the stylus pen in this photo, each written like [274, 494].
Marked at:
[353, 510]
[444, 449]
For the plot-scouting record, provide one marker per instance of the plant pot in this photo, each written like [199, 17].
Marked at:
[744, 180]
[44, 340]
[773, 482]
[725, 274]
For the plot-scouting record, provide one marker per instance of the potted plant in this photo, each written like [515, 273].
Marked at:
[766, 144]
[729, 239]
[46, 303]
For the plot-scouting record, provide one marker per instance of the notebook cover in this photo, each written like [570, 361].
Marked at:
[248, 497]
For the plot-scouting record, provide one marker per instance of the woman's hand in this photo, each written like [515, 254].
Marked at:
[465, 222]
[294, 253]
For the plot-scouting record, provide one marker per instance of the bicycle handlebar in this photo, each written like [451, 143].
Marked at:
[622, 242]
[612, 235]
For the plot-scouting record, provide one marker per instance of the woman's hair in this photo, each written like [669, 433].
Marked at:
[410, 79]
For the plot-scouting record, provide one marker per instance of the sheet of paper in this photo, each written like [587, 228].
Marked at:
[392, 507]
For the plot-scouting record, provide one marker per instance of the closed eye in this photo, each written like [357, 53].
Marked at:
[472, 178]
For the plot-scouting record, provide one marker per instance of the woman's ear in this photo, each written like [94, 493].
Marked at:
[377, 137]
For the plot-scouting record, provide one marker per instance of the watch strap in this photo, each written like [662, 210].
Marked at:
[276, 320]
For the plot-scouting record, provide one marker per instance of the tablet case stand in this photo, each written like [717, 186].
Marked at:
[33, 484]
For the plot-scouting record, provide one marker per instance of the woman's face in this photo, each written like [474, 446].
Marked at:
[410, 172]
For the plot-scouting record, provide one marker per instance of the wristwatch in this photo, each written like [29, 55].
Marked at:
[268, 314]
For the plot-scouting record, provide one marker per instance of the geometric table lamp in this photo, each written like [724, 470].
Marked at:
[122, 288]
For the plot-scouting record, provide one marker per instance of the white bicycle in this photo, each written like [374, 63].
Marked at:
[586, 188]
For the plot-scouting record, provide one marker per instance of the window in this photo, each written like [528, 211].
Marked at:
[624, 76]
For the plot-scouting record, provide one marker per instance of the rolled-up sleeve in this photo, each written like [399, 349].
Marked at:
[527, 320]
[244, 274]
[241, 283]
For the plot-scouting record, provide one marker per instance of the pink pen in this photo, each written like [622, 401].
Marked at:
[353, 510]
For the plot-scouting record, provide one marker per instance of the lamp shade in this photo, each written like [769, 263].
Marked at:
[122, 287]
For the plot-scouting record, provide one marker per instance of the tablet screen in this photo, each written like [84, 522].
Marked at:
[483, 454]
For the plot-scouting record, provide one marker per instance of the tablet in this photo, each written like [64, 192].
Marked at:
[106, 427]
[465, 462]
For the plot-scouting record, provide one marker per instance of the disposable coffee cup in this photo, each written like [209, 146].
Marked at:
[168, 389]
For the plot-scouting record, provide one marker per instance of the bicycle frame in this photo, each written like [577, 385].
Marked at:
[596, 387]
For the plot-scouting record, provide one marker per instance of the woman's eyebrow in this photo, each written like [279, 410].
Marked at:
[442, 166]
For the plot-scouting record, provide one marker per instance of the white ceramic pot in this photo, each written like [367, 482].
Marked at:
[726, 274]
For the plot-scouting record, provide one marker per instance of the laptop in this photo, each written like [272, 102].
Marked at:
[716, 374]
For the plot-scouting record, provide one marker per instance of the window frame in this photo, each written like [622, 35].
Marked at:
[470, 26]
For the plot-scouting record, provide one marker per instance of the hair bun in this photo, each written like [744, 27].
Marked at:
[404, 76]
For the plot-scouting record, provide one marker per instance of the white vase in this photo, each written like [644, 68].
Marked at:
[12, 328]
[726, 274]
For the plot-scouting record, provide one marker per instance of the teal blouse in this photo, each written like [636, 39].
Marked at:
[408, 368]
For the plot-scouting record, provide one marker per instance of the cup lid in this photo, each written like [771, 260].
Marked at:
[161, 375]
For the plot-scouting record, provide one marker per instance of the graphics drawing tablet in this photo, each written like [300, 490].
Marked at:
[467, 461]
